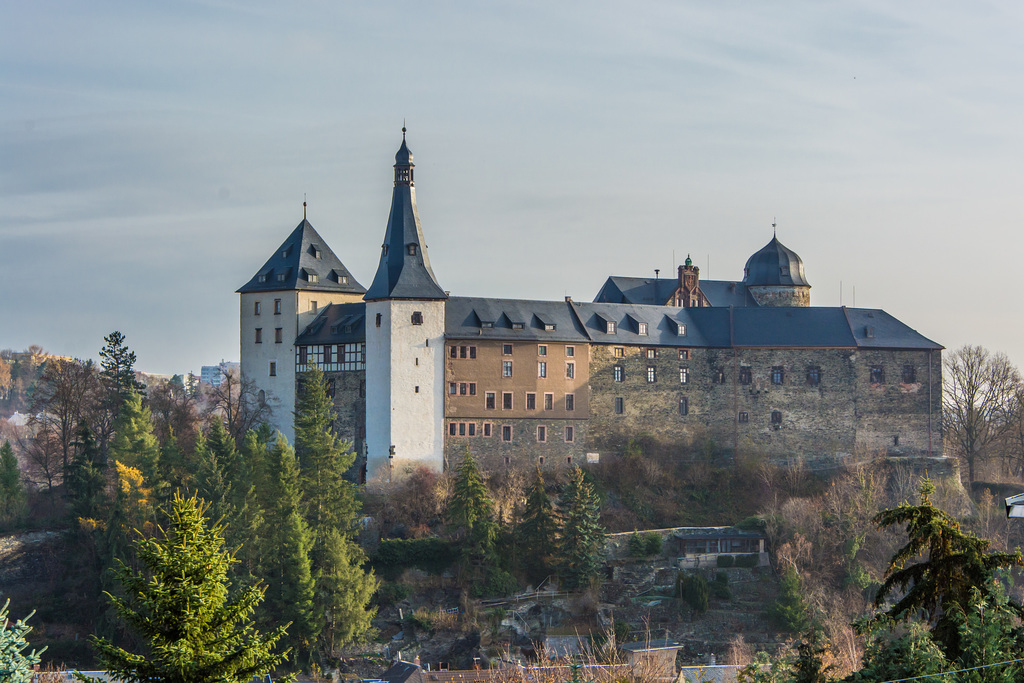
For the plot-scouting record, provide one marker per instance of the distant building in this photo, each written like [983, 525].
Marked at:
[214, 374]
[748, 365]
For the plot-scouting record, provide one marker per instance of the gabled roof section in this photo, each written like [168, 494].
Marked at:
[480, 318]
[657, 291]
[404, 270]
[336, 324]
[874, 328]
[303, 261]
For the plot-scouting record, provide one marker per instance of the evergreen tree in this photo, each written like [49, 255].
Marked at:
[580, 546]
[538, 530]
[15, 665]
[290, 587]
[955, 562]
[194, 627]
[212, 483]
[344, 590]
[789, 612]
[86, 481]
[118, 368]
[134, 444]
[12, 495]
[470, 507]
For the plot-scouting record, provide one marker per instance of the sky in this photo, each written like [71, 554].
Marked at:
[154, 155]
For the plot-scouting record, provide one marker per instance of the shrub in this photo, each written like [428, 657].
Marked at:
[636, 545]
[694, 590]
[389, 593]
[753, 523]
[726, 561]
[429, 554]
[652, 544]
[497, 584]
[720, 588]
[644, 545]
[748, 560]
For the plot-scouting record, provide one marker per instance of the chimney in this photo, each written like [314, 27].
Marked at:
[416, 660]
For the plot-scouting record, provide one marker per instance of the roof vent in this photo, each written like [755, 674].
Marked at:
[869, 332]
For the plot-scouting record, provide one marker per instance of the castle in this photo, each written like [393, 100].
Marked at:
[416, 375]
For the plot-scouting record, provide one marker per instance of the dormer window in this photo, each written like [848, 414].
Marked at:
[609, 326]
[549, 327]
[280, 277]
[641, 329]
[487, 324]
[411, 248]
[518, 326]
[284, 253]
[681, 329]
[313, 278]
[262, 277]
[315, 251]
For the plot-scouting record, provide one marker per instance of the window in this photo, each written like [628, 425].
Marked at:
[813, 375]
[472, 352]
[262, 277]
[506, 400]
[618, 352]
[506, 368]
[776, 418]
[681, 329]
[570, 402]
[745, 375]
[462, 429]
[652, 374]
[313, 307]
[411, 248]
[684, 375]
[453, 352]
[463, 389]
[277, 307]
[609, 327]
[684, 354]
[877, 374]
[618, 373]
[259, 335]
[549, 401]
[487, 428]
[471, 429]
[281, 276]
[518, 325]
[417, 317]
[777, 374]
[303, 355]
[328, 352]
[641, 329]
[542, 369]
[489, 400]
[540, 460]
[472, 388]
[273, 369]
[719, 376]
[506, 350]
[312, 277]
[570, 434]
[452, 388]
[909, 374]
[570, 370]
[531, 401]
[743, 417]
[542, 433]
[279, 335]
[378, 319]
[620, 405]
[542, 349]
[451, 429]
[256, 308]
[506, 432]
[570, 351]
[684, 406]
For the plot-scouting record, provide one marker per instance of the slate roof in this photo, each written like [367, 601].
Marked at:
[404, 270]
[482, 318]
[775, 264]
[336, 324]
[702, 532]
[656, 291]
[650, 645]
[295, 266]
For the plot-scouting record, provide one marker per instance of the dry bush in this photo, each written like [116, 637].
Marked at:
[740, 652]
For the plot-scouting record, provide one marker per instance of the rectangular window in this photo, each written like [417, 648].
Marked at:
[312, 306]
[570, 351]
[542, 369]
[542, 433]
[463, 351]
[303, 355]
[620, 405]
[652, 374]
[453, 388]
[259, 335]
[618, 352]
[506, 349]
[471, 429]
[506, 400]
[277, 307]
[684, 354]
[570, 370]
[745, 375]
[642, 329]
[877, 374]
[684, 375]
[549, 401]
[273, 369]
[609, 327]
[452, 427]
[417, 318]
[777, 374]
[506, 368]
[256, 308]
[453, 352]
[652, 354]
[506, 432]
[776, 417]
[328, 354]
[472, 352]
[909, 374]
[472, 388]
[487, 428]
[278, 335]
[463, 389]
[531, 401]
[570, 402]
[743, 417]
[813, 375]
[462, 429]
[570, 434]
[618, 373]
[489, 400]
[542, 350]
[684, 406]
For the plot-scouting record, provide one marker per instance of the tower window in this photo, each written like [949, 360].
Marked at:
[877, 374]
[743, 417]
[378, 319]
[256, 308]
[776, 418]
[506, 349]
[278, 335]
[684, 375]
[570, 351]
[652, 374]
[412, 249]
[618, 373]
[909, 374]
[813, 375]
[619, 352]
[542, 369]
[620, 405]
[259, 335]
[273, 369]
[417, 318]
[277, 307]
[745, 375]
[777, 374]
[570, 370]
[684, 354]
[652, 354]
[542, 349]
[719, 376]
[684, 406]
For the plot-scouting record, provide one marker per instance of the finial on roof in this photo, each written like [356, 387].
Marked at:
[688, 261]
[303, 206]
[773, 227]
[403, 130]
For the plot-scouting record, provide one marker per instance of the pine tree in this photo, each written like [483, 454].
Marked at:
[15, 665]
[12, 495]
[212, 484]
[580, 537]
[290, 587]
[118, 368]
[789, 612]
[537, 531]
[470, 507]
[86, 481]
[134, 444]
[195, 628]
[345, 590]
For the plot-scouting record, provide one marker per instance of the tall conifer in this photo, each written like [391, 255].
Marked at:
[580, 537]
[536, 533]
[134, 444]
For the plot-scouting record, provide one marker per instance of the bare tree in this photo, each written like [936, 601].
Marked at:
[44, 453]
[238, 402]
[60, 401]
[175, 411]
[977, 401]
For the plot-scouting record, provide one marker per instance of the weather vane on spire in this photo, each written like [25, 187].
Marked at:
[403, 129]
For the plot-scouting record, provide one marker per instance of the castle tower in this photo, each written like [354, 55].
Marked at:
[688, 292]
[280, 300]
[404, 344]
[774, 276]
